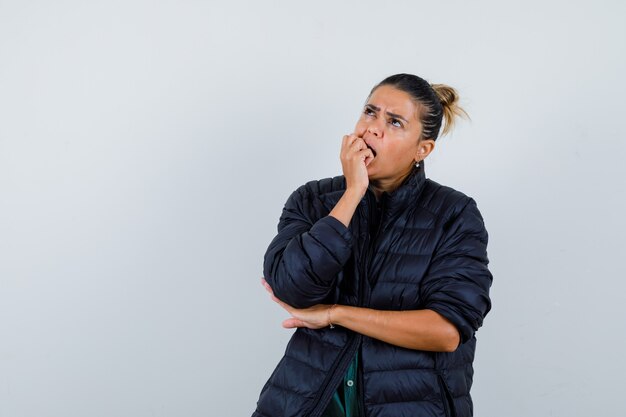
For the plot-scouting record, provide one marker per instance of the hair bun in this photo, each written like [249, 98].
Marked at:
[449, 99]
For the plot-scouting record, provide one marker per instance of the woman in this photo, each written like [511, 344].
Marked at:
[383, 272]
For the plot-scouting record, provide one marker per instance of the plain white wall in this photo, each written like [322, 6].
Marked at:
[147, 149]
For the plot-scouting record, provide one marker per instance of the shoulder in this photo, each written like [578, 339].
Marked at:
[445, 202]
[325, 185]
[315, 199]
[320, 188]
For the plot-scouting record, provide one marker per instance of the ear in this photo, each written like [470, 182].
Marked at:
[424, 148]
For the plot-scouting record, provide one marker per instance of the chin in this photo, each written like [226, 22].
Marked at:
[372, 175]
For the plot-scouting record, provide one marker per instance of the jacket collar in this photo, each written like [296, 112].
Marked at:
[398, 199]
[407, 192]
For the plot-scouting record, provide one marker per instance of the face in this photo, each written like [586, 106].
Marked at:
[390, 126]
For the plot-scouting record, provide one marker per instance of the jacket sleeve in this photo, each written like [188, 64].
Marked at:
[458, 280]
[304, 259]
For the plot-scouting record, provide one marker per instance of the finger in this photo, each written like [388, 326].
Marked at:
[352, 138]
[292, 323]
[365, 155]
[369, 156]
[348, 141]
[358, 145]
[267, 287]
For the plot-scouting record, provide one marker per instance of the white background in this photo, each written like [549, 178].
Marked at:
[147, 149]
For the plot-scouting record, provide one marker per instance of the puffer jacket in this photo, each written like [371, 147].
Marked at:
[429, 252]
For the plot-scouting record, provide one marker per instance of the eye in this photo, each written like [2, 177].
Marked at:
[369, 112]
[396, 122]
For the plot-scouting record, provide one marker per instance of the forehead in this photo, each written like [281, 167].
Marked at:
[391, 99]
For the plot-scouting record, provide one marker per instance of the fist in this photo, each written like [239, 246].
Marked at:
[355, 157]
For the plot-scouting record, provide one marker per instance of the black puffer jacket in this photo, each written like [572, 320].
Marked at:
[429, 252]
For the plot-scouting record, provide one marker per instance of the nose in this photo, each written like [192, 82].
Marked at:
[375, 129]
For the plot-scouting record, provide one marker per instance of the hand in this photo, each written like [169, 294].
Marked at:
[315, 317]
[355, 157]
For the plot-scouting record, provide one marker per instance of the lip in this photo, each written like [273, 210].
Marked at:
[370, 147]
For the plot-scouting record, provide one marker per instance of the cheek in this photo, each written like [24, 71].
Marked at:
[401, 151]
[360, 128]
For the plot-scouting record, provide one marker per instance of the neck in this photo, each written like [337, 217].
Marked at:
[388, 185]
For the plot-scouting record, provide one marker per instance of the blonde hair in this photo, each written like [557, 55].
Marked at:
[449, 99]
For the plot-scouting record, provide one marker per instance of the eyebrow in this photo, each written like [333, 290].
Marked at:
[397, 116]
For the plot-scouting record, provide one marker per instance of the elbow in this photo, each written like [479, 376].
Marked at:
[451, 340]
[298, 293]
[450, 347]
[292, 294]
[448, 335]
[295, 300]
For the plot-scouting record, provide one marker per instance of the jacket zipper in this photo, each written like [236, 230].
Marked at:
[361, 392]
[332, 383]
[371, 241]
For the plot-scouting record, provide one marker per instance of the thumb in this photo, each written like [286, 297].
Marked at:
[293, 323]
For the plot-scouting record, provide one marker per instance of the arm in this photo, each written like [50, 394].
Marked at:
[303, 261]
[414, 329]
[455, 293]
[458, 280]
[355, 157]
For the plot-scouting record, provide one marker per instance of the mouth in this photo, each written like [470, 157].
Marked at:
[372, 149]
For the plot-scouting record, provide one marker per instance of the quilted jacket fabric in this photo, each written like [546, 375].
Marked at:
[429, 252]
